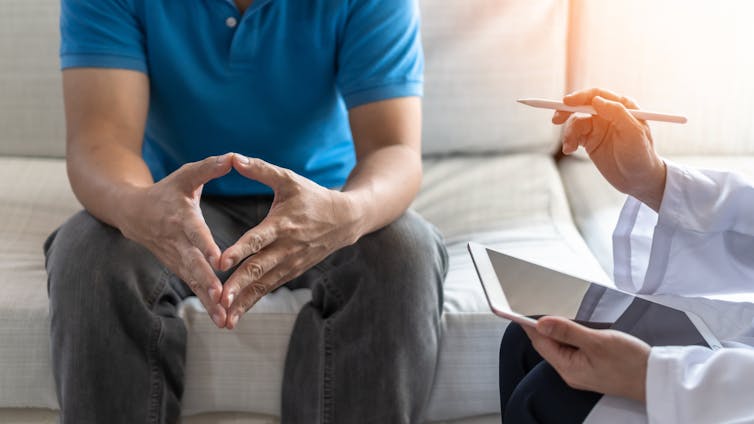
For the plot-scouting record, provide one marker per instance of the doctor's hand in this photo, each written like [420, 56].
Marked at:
[620, 145]
[603, 361]
[166, 219]
[305, 224]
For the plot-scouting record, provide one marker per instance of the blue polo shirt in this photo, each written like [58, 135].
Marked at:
[274, 83]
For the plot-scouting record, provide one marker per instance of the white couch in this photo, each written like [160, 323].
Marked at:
[490, 176]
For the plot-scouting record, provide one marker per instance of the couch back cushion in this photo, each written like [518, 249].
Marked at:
[31, 105]
[481, 55]
[689, 57]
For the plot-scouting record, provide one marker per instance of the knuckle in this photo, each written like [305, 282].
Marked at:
[253, 270]
[254, 243]
[285, 224]
[286, 174]
[281, 275]
[193, 285]
[184, 168]
[259, 290]
[193, 261]
[245, 303]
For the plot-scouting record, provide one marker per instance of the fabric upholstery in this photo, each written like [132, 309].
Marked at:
[482, 55]
[31, 104]
[44, 416]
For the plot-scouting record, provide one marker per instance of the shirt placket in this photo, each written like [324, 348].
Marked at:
[245, 39]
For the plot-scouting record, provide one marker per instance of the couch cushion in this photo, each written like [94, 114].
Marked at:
[481, 55]
[689, 57]
[44, 416]
[34, 200]
[516, 202]
[31, 105]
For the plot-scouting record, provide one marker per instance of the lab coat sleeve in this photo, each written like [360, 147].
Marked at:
[700, 243]
[693, 384]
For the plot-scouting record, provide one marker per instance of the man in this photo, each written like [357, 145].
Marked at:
[320, 100]
[682, 231]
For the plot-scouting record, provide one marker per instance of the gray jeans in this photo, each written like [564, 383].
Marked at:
[363, 350]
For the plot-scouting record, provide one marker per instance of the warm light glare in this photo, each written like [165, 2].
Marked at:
[695, 58]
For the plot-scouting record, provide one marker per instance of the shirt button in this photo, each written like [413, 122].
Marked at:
[231, 22]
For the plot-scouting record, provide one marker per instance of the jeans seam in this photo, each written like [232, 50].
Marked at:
[156, 386]
[325, 268]
[328, 389]
[158, 288]
[328, 378]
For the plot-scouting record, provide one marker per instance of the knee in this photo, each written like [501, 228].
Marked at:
[512, 344]
[408, 245]
[529, 396]
[84, 260]
[408, 255]
[520, 407]
[79, 234]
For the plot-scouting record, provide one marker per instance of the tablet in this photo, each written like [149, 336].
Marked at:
[519, 290]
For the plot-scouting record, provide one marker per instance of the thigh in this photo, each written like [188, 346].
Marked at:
[90, 262]
[401, 266]
[517, 358]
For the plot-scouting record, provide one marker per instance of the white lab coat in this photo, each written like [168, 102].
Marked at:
[701, 247]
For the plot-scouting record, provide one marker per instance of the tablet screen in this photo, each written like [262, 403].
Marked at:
[529, 289]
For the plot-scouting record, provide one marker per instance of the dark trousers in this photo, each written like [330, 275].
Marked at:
[364, 350]
[531, 391]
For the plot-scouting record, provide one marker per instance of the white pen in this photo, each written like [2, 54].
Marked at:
[638, 114]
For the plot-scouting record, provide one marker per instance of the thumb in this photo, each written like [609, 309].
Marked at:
[266, 173]
[195, 174]
[565, 331]
[614, 112]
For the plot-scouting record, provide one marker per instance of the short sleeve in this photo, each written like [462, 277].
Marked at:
[380, 53]
[101, 34]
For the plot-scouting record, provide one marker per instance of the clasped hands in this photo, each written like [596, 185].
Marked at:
[305, 224]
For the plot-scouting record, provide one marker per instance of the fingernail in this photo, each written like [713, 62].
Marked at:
[221, 158]
[212, 261]
[212, 292]
[231, 296]
[227, 263]
[243, 159]
[217, 318]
